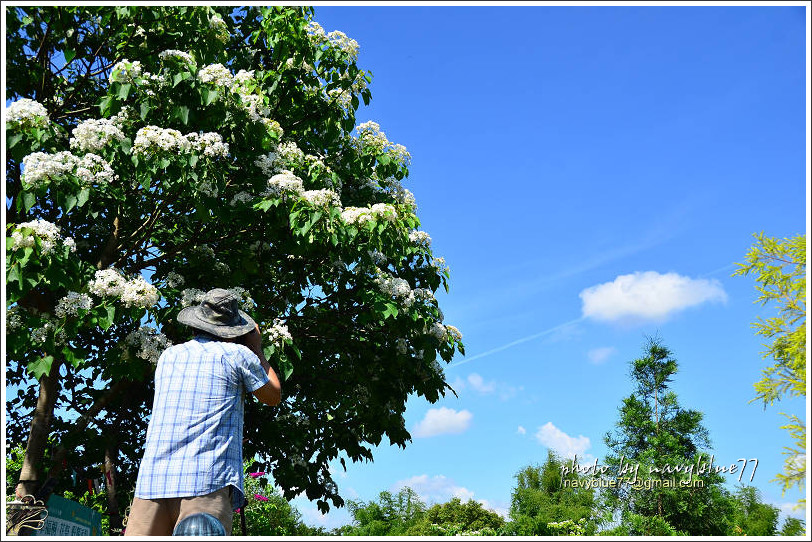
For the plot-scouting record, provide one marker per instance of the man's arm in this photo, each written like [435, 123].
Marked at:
[270, 393]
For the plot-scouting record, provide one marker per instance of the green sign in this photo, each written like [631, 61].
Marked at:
[68, 518]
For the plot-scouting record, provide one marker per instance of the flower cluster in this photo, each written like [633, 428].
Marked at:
[340, 41]
[394, 286]
[132, 292]
[216, 74]
[277, 333]
[40, 168]
[126, 71]
[14, 320]
[267, 163]
[149, 342]
[438, 331]
[71, 303]
[191, 296]
[153, 139]
[181, 56]
[246, 301]
[27, 113]
[47, 233]
[289, 152]
[322, 198]
[241, 197]
[283, 184]
[40, 335]
[95, 134]
[420, 238]
[174, 280]
[219, 29]
[361, 215]
[372, 139]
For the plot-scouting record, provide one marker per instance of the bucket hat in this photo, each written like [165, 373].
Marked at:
[219, 315]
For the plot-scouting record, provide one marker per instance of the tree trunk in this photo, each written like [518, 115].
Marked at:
[40, 429]
[110, 458]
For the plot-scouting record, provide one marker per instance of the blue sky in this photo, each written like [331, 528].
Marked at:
[590, 175]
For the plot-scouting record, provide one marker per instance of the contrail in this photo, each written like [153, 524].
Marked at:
[518, 341]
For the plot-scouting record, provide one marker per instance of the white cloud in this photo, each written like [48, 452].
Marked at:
[500, 509]
[435, 489]
[478, 383]
[600, 355]
[647, 296]
[567, 446]
[439, 421]
[521, 430]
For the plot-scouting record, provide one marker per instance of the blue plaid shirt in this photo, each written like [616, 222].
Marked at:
[194, 438]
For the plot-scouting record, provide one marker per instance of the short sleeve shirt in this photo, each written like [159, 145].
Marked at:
[194, 438]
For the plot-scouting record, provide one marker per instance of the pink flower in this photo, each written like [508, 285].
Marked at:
[237, 511]
[256, 474]
[261, 497]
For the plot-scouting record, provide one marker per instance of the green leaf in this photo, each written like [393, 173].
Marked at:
[209, 96]
[286, 367]
[71, 357]
[70, 202]
[82, 197]
[124, 91]
[70, 54]
[13, 139]
[106, 320]
[29, 199]
[105, 105]
[182, 113]
[145, 107]
[40, 367]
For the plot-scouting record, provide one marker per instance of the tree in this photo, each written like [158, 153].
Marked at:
[780, 268]
[267, 512]
[653, 437]
[391, 515]
[458, 518]
[752, 517]
[545, 501]
[156, 152]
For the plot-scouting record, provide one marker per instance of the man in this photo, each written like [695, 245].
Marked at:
[193, 453]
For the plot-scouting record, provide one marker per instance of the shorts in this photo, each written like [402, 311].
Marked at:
[157, 517]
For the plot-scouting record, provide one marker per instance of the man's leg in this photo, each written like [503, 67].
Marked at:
[218, 504]
[152, 517]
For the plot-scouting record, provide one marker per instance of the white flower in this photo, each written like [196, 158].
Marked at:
[107, 282]
[152, 138]
[135, 292]
[94, 169]
[71, 303]
[209, 143]
[247, 303]
[278, 333]
[219, 28]
[340, 40]
[322, 198]
[40, 335]
[125, 72]
[47, 233]
[95, 134]
[290, 152]
[273, 127]
[149, 342]
[41, 167]
[438, 331]
[173, 280]
[283, 184]
[254, 106]
[244, 78]
[395, 287]
[267, 163]
[191, 296]
[454, 333]
[241, 197]
[217, 74]
[361, 215]
[420, 238]
[182, 56]
[14, 320]
[316, 32]
[27, 113]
